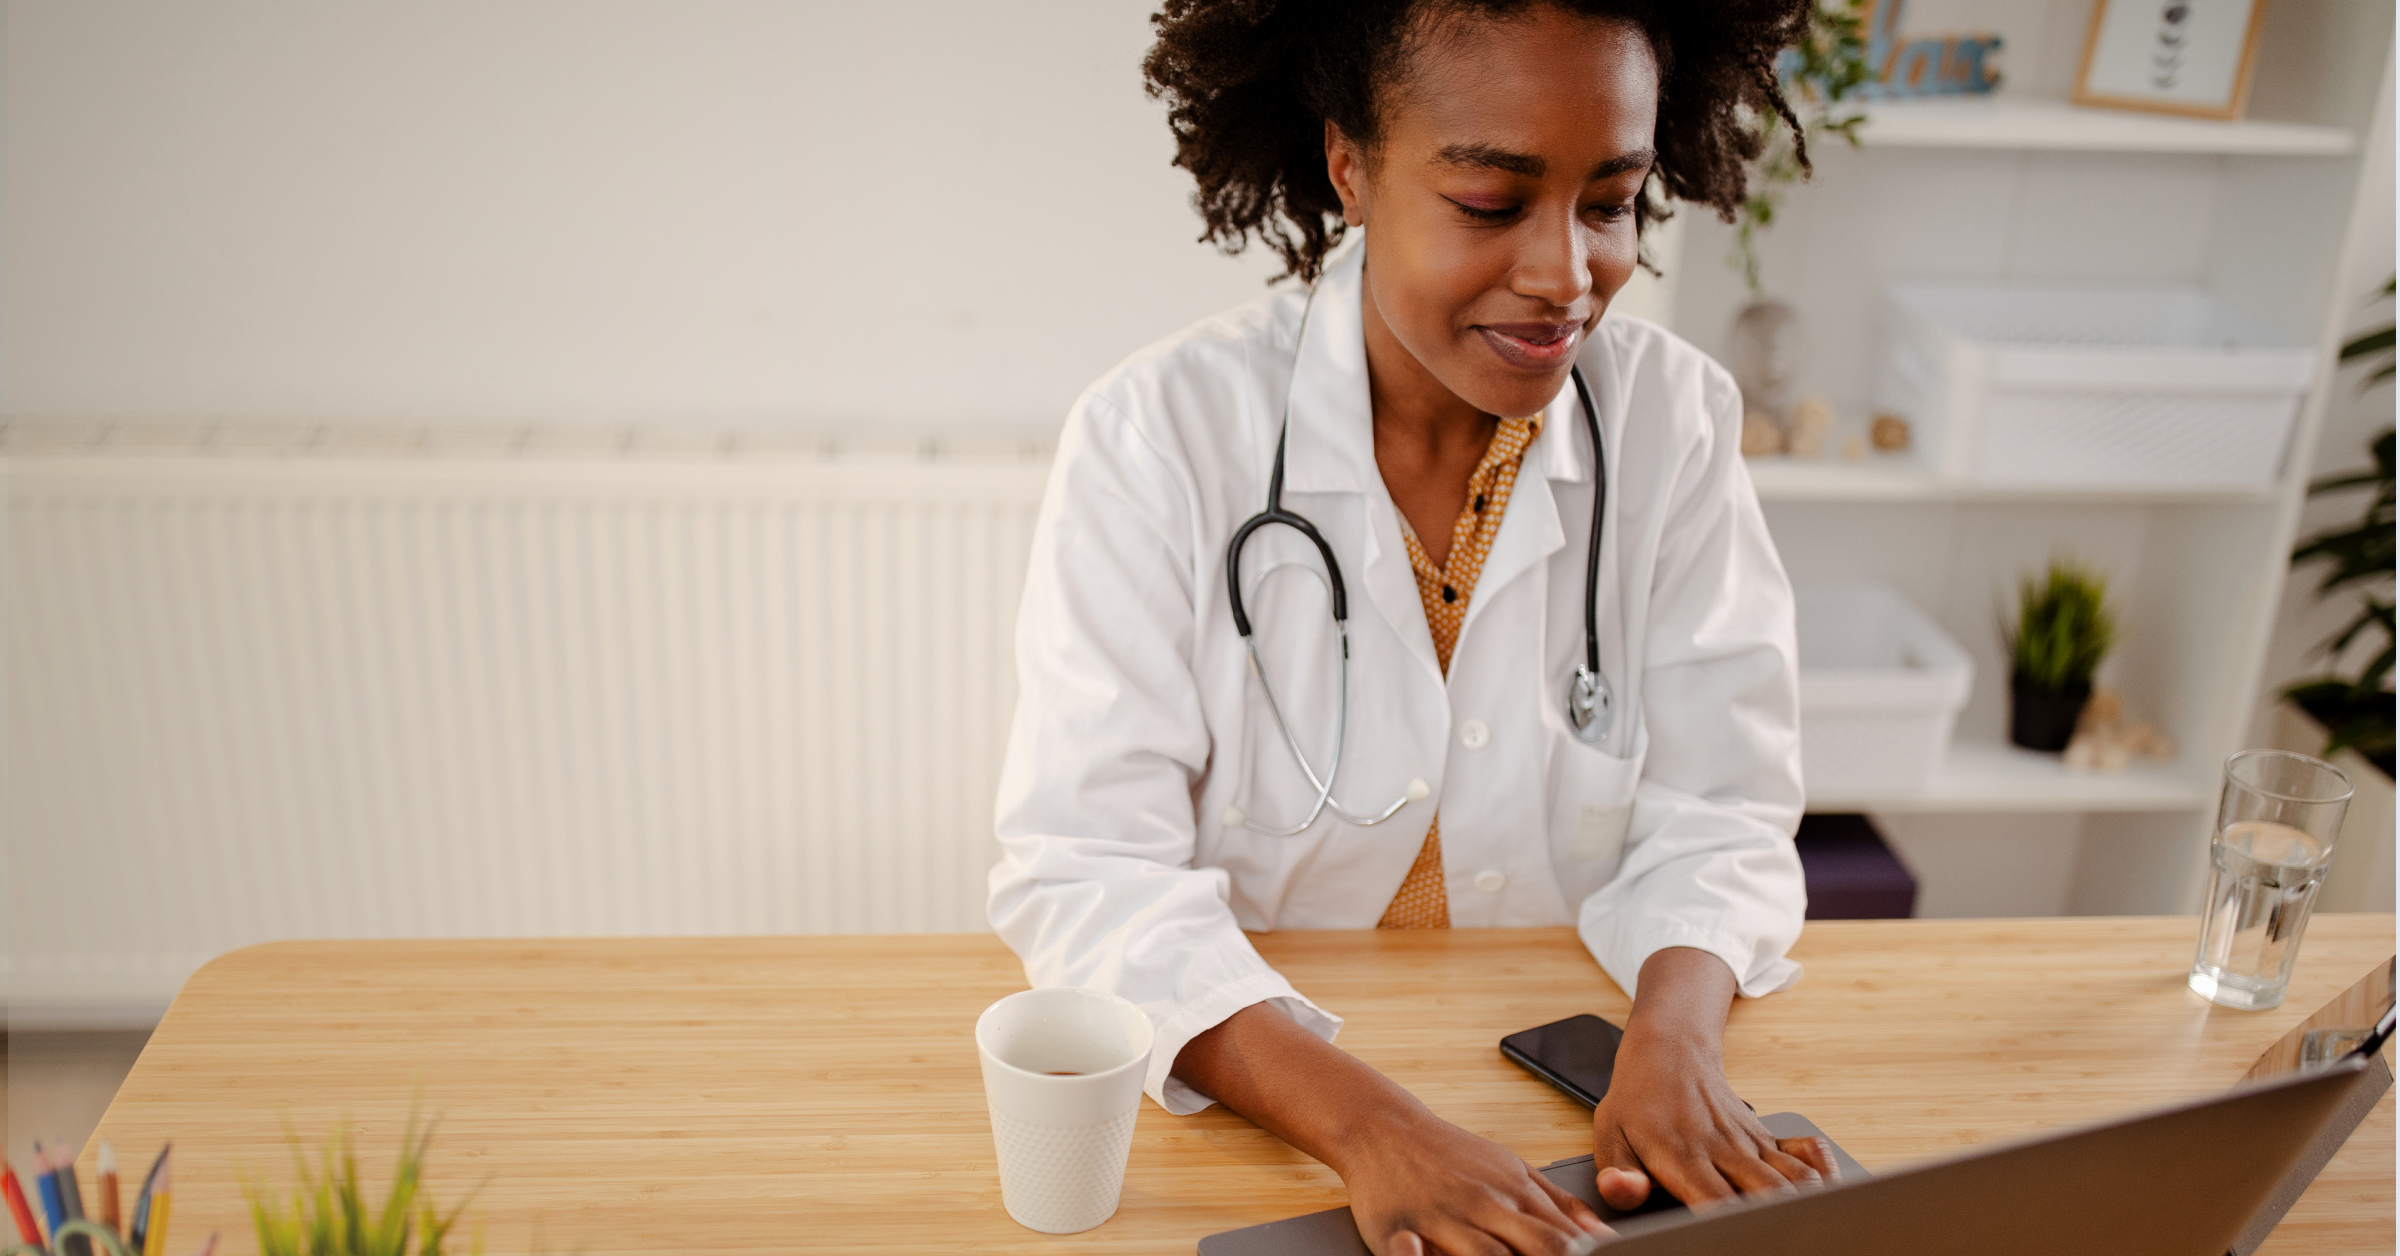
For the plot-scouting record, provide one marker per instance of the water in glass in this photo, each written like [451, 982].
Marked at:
[2260, 891]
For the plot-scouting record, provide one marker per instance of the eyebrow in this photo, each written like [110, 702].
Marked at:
[1492, 157]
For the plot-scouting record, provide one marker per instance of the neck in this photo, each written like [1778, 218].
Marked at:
[1413, 409]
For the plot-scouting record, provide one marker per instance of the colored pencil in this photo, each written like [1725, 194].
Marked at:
[28, 1230]
[154, 1240]
[210, 1247]
[54, 1206]
[137, 1234]
[107, 1186]
[70, 1195]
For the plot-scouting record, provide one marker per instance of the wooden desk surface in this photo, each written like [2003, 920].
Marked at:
[772, 1094]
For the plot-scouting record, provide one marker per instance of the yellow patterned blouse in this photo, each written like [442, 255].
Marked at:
[1423, 902]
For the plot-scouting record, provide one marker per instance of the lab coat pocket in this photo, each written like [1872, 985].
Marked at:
[1591, 811]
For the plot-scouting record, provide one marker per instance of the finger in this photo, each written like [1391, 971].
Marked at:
[1693, 1180]
[1577, 1212]
[1453, 1237]
[1546, 1204]
[1532, 1224]
[1525, 1235]
[1403, 1243]
[1624, 1189]
[1796, 1171]
[1623, 1185]
[1742, 1165]
[1816, 1153]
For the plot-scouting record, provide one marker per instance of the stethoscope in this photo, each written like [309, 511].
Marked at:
[1591, 703]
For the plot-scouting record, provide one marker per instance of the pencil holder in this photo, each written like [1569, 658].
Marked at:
[104, 1240]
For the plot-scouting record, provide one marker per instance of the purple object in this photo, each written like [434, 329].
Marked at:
[1851, 874]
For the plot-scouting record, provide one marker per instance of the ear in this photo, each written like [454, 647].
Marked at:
[1346, 167]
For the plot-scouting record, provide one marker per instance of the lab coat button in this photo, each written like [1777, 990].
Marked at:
[1474, 734]
[1489, 881]
[1233, 817]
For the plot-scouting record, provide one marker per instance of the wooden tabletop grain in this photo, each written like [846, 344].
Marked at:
[731, 1095]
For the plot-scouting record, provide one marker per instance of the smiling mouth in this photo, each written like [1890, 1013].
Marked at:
[1532, 346]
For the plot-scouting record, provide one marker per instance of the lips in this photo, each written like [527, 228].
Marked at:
[1532, 346]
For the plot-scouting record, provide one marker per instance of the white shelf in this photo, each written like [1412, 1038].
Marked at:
[1890, 478]
[2029, 123]
[1987, 777]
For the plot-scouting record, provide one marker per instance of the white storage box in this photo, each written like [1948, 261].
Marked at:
[1880, 687]
[2119, 387]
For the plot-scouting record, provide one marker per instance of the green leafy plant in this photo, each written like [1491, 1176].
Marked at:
[1822, 71]
[2373, 344]
[2064, 627]
[329, 1214]
[2357, 710]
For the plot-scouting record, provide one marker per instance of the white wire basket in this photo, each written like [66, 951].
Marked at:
[1881, 686]
[2160, 388]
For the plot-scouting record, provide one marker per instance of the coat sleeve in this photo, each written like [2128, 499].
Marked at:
[1709, 861]
[1096, 885]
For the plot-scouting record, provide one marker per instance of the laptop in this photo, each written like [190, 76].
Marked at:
[2173, 1181]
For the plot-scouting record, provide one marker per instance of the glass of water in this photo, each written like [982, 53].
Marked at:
[2275, 830]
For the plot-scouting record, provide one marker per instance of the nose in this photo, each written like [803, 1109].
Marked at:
[1554, 260]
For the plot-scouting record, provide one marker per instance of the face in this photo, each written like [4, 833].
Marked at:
[1499, 205]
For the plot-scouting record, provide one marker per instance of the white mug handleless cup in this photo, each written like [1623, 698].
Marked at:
[1062, 1074]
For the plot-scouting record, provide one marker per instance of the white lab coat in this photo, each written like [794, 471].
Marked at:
[1139, 723]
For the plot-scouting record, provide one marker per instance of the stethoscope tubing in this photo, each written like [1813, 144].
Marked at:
[1590, 700]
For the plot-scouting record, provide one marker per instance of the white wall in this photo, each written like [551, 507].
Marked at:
[932, 216]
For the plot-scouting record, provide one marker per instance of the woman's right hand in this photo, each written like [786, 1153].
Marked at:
[1419, 1184]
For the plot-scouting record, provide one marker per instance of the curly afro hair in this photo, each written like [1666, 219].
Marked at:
[1250, 84]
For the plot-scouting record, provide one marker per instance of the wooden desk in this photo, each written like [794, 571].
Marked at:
[773, 1094]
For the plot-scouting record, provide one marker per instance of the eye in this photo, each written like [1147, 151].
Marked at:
[1612, 213]
[1484, 213]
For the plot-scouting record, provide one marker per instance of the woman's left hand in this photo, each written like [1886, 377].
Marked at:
[1669, 1116]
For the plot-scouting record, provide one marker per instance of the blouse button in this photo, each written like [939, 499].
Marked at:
[1474, 734]
[1490, 880]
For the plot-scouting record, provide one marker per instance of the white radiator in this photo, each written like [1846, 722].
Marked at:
[324, 695]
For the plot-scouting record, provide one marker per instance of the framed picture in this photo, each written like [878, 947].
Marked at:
[2171, 56]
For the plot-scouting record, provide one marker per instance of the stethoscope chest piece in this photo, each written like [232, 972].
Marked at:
[1591, 705]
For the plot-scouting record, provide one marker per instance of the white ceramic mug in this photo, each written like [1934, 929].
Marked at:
[1062, 1075]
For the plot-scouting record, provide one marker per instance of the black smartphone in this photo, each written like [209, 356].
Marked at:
[1577, 1055]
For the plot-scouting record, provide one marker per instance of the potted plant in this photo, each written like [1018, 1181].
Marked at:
[2063, 630]
[1826, 67]
[2356, 710]
[1820, 74]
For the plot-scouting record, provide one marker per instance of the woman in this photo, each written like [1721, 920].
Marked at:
[1419, 402]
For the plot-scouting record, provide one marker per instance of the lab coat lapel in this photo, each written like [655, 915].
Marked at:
[1331, 447]
[1531, 531]
[1331, 443]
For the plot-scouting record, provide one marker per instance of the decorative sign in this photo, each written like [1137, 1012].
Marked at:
[2171, 56]
[1942, 65]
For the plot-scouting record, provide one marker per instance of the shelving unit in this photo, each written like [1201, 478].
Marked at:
[1989, 776]
[1898, 478]
[2035, 125]
[2027, 187]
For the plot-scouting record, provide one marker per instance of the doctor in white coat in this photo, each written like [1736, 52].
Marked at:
[1497, 164]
